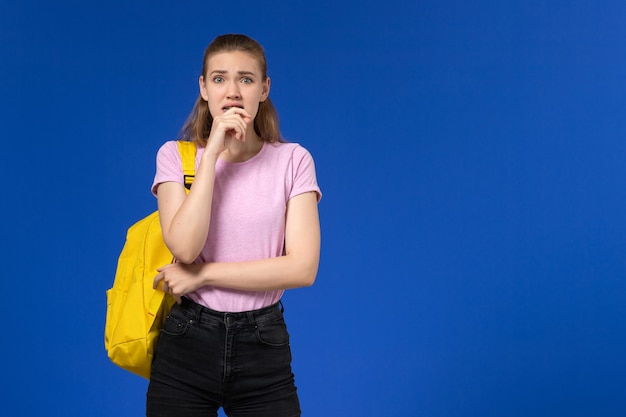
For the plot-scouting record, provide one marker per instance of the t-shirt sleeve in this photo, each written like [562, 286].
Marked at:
[304, 178]
[168, 166]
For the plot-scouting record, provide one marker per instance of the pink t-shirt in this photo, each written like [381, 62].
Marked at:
[248, 212]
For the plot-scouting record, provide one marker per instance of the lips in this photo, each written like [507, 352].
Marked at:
[231, 105]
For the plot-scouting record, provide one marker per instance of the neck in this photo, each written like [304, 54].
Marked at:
[238, 151]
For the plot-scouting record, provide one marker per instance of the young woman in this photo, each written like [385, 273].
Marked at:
[247, 231]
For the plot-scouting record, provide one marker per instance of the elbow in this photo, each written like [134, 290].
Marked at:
[308, 274]
[184, 255]
[303, 269]
[309, 280]
[185, 259]
[184, 249]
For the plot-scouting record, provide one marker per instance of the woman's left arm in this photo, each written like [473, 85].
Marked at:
[297, 268]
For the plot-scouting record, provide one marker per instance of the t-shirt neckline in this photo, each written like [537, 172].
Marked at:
[247, 161]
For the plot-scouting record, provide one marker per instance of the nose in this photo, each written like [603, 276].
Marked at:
[233, 90]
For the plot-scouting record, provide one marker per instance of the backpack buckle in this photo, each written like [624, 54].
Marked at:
[188, 179]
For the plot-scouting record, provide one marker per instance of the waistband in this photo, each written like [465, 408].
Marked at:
[200, 312]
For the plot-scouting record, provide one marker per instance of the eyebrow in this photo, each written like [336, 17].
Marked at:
[238, 72]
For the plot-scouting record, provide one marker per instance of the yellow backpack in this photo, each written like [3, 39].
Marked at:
[136, 311]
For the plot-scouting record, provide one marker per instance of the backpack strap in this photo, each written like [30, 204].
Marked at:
[188, 155]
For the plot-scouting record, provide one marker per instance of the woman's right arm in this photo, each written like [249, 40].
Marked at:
[185, 219]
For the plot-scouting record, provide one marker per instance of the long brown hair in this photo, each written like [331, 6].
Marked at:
[199, 122]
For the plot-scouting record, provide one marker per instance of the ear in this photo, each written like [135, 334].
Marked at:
[202, 86]
[266, 89]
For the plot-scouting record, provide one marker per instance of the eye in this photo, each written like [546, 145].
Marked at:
[246, 80]
[218, 79]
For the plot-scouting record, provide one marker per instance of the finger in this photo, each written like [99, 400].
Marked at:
[239, 116]
[157, 280]
[239, 111]
[247, 118]
[234, 128]
[237, 133]
[238, 122]
[164, 267]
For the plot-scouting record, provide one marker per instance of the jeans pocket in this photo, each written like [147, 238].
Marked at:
[175, 325]
[273, 333]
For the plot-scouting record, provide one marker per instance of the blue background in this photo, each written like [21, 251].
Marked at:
[471, 155]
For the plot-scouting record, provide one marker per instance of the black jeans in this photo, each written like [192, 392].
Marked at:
[206, 359]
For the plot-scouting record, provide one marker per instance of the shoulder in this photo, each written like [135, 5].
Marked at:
[168, 148]
[168, 165]
[288, 150]
[168, 154]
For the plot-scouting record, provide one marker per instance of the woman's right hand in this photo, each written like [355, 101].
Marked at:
[231, 125]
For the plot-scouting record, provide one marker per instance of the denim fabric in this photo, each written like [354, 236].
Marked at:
[206, 359]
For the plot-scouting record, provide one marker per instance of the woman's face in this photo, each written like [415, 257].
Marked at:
[233, 79]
